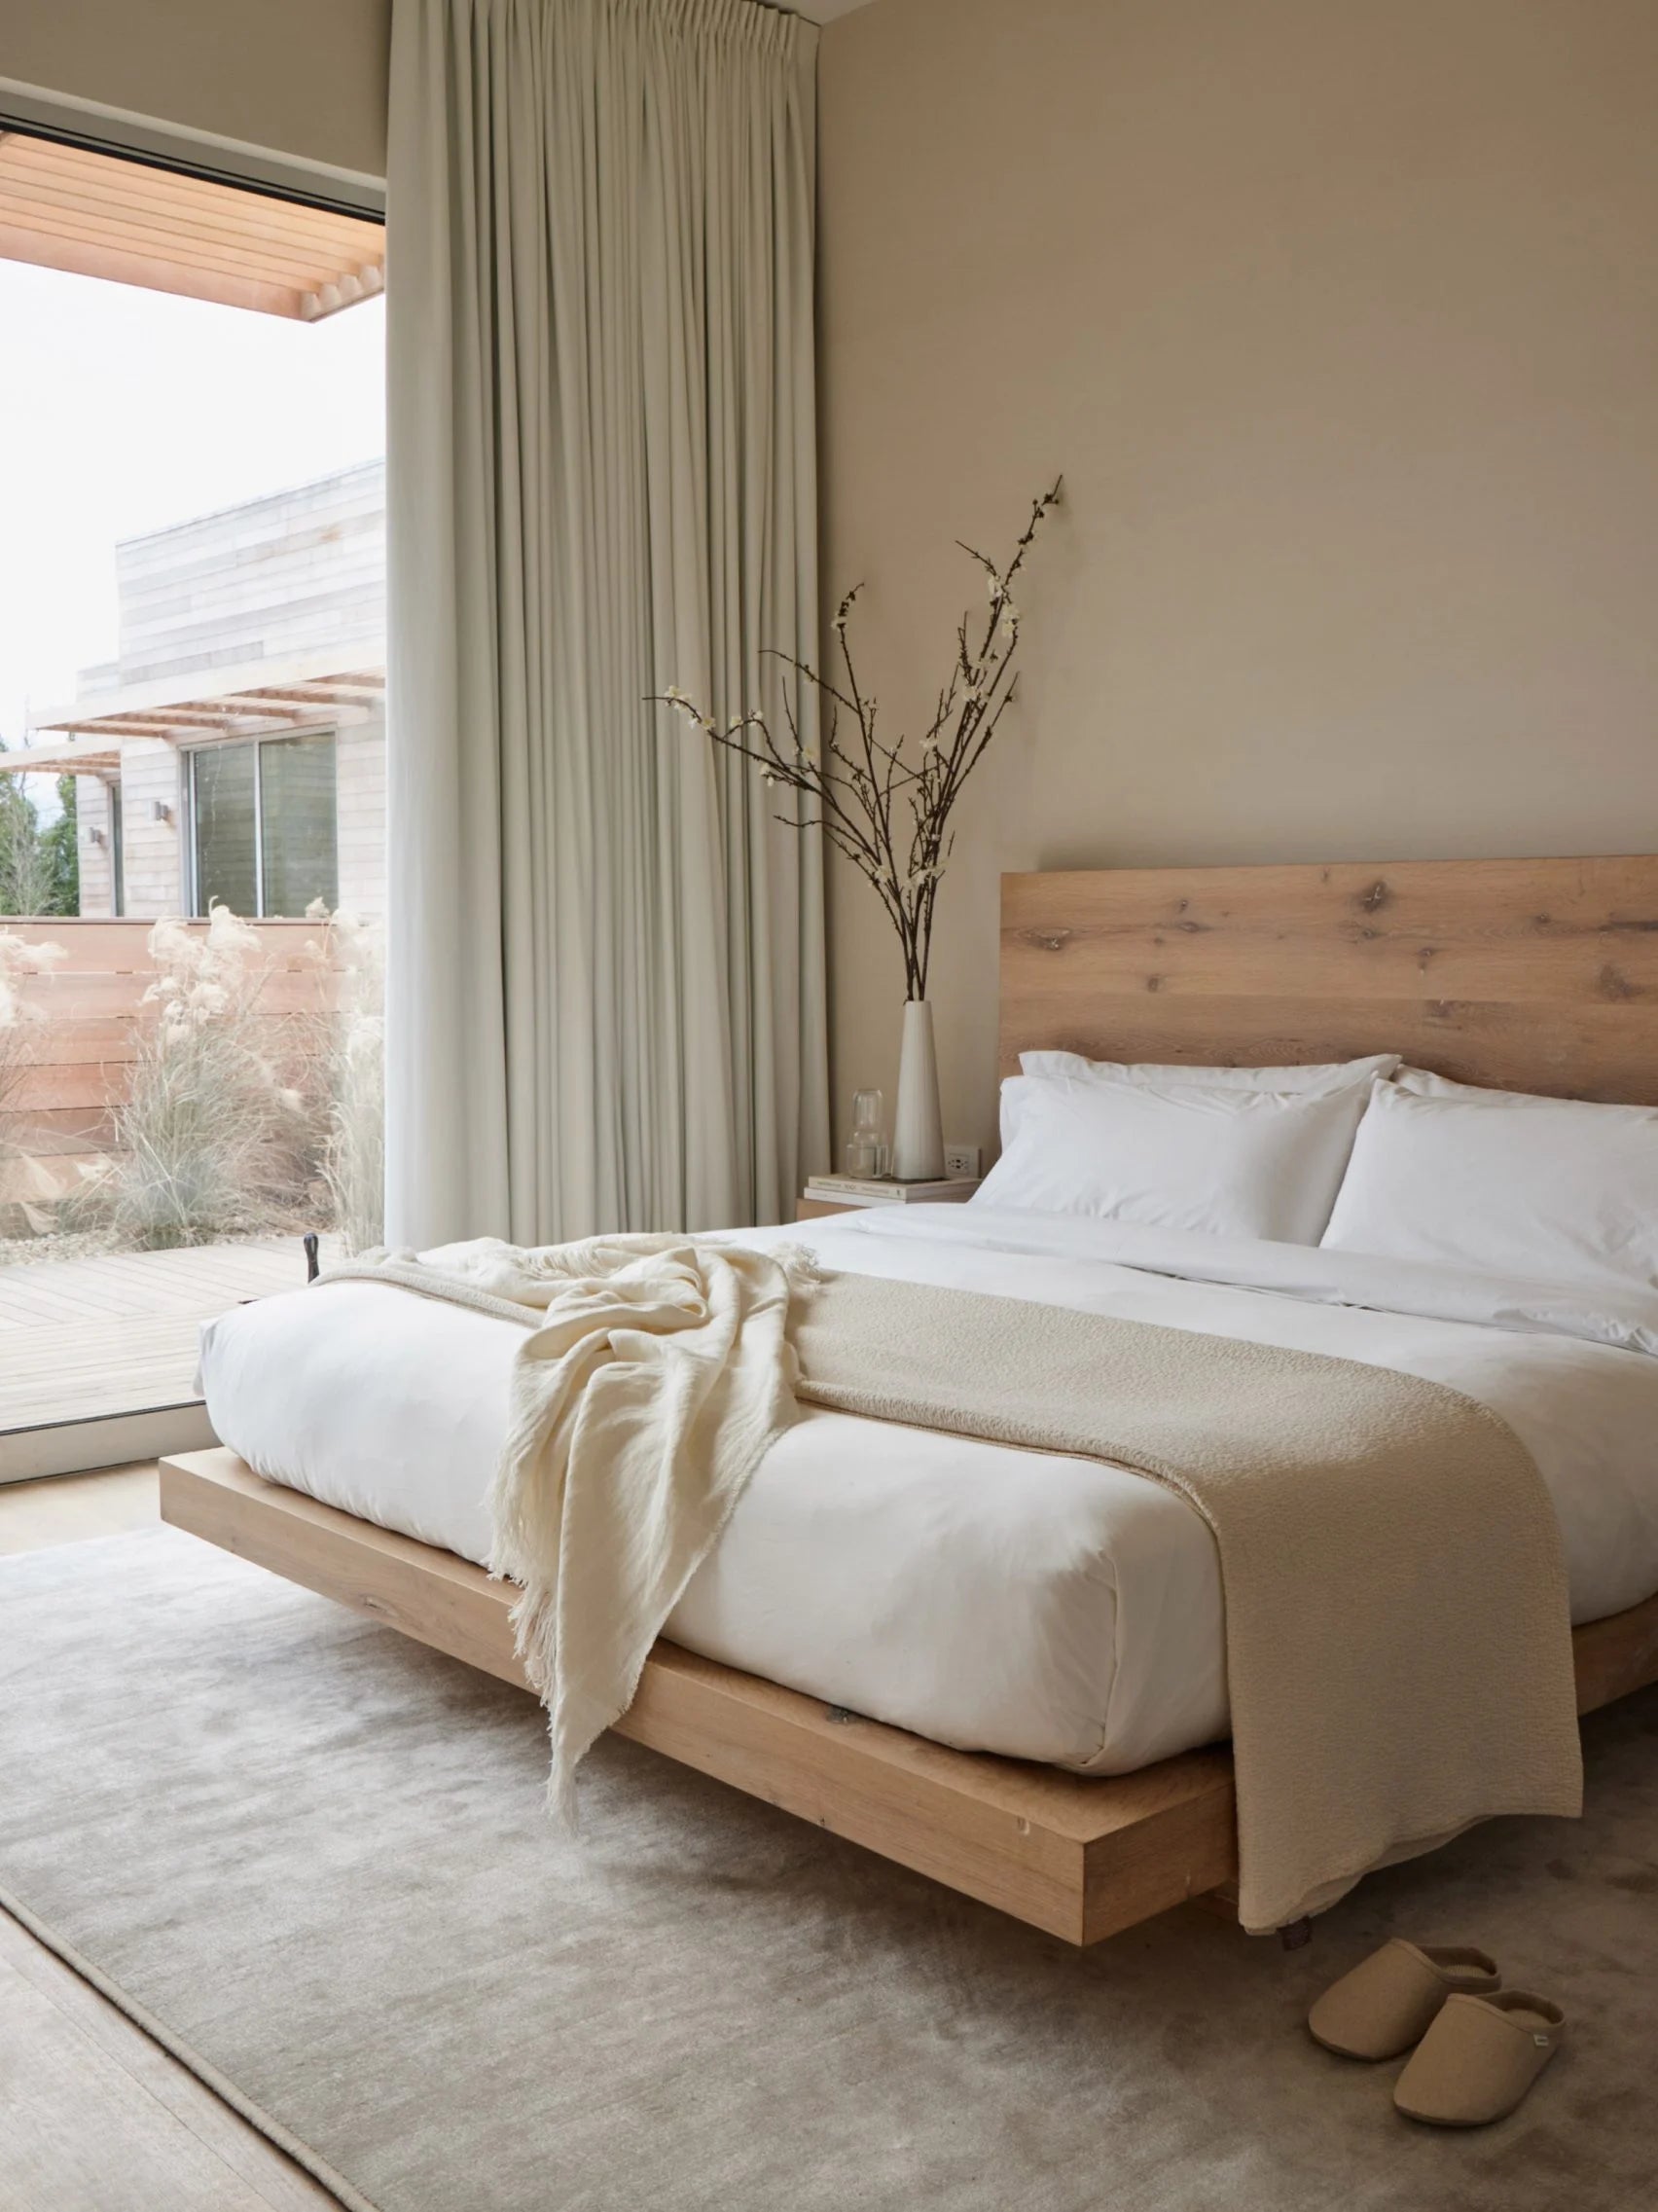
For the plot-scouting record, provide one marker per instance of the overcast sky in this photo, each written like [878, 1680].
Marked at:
[124, 411]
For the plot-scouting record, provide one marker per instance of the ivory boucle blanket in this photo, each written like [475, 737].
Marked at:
[1397, 1627]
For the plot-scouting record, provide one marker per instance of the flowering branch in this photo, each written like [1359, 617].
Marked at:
[886, 808]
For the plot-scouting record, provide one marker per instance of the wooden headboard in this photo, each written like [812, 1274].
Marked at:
[1533, 975]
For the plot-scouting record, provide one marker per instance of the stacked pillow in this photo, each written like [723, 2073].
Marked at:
[1504, 1182]
[1330, 1074]
[1360, 1156]
[1233, 1151]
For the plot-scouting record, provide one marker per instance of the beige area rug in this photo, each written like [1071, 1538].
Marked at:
[312, 1856]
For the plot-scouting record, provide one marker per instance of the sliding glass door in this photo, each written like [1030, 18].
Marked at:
[192, 725]
[264, 826]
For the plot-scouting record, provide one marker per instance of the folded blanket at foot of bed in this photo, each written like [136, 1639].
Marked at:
[1397, 1628]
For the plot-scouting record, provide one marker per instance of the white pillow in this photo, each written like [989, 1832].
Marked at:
[1151, 1074]
[1234, 1162]
[1326, 1076]
[1421, 1083]
[1558, 1193]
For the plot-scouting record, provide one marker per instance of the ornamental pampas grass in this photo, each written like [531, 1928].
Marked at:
[19, 1020]
[352, 1059]
[205, 1135]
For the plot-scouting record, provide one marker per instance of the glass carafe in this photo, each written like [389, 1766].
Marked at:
[866, 1147]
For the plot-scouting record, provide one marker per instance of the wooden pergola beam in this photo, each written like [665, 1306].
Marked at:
[72, 207]
[102, 761]
[116, 725]
[319, 693]
[207, 715]
[169, 695]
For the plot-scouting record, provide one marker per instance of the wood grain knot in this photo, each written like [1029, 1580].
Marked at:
[1376, 896]
[1048, 940]
[1611, 984]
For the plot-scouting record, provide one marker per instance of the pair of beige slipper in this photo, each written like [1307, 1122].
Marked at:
[1478, 2047]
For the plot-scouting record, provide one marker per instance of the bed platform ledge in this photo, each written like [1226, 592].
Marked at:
[1080, 1857]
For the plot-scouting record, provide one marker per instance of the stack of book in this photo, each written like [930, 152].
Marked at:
[882, 1190]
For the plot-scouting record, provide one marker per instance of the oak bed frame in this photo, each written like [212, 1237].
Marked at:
[1538, 975]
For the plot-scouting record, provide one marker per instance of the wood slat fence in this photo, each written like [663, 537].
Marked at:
[80, 1054]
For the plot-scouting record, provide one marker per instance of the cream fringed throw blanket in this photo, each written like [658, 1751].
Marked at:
[1397, 1628]
[653, 1377]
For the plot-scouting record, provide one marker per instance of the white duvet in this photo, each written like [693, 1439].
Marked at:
[999, 1600]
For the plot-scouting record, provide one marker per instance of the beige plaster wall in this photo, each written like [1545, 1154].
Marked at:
[305, 78]
[1342, 321]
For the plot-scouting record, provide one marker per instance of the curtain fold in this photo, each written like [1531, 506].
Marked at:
[605, 993]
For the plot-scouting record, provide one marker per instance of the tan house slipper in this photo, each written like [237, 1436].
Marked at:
[1479, 2058]
[1390, 2000]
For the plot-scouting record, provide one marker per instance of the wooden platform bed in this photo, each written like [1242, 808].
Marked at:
[1545, 978]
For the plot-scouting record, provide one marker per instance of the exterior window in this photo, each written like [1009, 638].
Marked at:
[296, 825]
[223, 826]
[261, 825]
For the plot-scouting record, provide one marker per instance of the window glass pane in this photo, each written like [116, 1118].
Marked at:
[221, 785]
[296, 807]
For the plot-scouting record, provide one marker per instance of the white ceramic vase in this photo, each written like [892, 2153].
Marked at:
[918, 1135]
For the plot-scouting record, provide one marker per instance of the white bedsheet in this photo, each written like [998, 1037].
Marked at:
[1042, 1606]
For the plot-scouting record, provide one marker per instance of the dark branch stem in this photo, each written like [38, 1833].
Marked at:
[854, 787]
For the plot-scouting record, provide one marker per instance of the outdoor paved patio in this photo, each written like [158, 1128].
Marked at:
[82, 1339]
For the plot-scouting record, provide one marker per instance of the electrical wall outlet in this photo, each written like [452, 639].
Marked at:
[961, 1159]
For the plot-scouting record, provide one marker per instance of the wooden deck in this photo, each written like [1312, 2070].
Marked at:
[85, 1340]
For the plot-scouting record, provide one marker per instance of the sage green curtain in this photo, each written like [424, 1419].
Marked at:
[606, 994]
